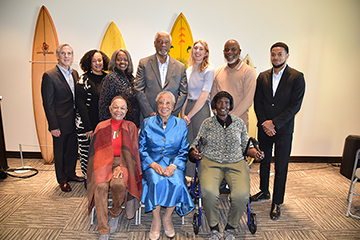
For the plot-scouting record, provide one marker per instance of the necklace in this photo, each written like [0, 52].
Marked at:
[115, 134]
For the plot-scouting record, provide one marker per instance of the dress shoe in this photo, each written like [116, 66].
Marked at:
[76, 179]
[275, 211]
[154, 236]
[170, 234]
[260, 196]
[65, 187]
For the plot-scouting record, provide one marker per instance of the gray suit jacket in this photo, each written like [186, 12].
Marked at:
[148, 84]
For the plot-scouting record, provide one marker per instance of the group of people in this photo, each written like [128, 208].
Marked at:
[130, 139]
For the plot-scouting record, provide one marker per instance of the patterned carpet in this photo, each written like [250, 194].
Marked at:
[314, 208]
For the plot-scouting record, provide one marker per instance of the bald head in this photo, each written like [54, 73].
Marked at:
[232, 52]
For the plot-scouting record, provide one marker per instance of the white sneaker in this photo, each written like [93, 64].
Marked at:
[215, 235]
[113, 224]
[229, 234]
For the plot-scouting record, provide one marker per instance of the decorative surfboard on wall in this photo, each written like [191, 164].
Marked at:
[112, 40]
[248, 61]
[43, 59]
[182, 40]
[252, 115]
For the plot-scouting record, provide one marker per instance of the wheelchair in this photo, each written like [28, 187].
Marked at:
[195, 190]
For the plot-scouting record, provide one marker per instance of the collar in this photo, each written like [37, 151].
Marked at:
[237, 67]
[63, 70]
[281, 72]
[166, 61]
[223, 123]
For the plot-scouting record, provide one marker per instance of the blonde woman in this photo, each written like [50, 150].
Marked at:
[196, 108]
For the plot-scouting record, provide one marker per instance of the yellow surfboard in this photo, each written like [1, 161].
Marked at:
[252, 115]
[112, 40]
[182, 40]
[43, 59]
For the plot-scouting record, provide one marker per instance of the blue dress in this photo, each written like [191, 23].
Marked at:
[164, 147]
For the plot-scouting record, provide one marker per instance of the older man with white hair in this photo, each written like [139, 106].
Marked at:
[157, 73]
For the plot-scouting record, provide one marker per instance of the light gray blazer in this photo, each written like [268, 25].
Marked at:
[148, 84]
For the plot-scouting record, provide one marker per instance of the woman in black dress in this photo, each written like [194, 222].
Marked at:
[93, 63]
[119, 81]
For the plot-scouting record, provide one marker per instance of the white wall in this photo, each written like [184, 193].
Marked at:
[323, 37]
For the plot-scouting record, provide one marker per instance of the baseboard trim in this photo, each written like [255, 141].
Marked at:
[16, 154]
[318, 159]
[314, 159]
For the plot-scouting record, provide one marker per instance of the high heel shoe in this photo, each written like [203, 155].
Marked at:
[154, 236]
[170, 234]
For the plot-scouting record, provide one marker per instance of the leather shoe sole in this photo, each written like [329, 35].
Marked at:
[260, 196]
[76, 179]
[65, 187]
[275, 211]
[170, 234]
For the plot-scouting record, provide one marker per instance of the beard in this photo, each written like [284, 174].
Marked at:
[162, 53]
[279, 66]
[232, 61]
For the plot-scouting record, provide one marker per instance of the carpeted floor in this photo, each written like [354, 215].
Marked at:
[314, 208]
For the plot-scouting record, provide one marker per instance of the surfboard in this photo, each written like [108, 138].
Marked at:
[182, 40]
[43, 59]
[248, 61]
[112, 40]
[252, 115]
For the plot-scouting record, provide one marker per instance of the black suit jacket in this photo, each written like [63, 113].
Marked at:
[58, 100]
[282, 107]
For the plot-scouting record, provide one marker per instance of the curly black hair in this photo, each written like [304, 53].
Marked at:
[220, 95]
[85, 62]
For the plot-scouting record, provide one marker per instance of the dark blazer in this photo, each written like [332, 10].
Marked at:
[58, 100]
[282, 107]
[148, 84]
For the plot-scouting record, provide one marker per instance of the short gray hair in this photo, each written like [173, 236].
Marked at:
[58, 48]
[162, 32]
[164, 93]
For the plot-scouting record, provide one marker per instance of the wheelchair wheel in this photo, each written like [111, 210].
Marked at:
[196, 223]
[252, 224]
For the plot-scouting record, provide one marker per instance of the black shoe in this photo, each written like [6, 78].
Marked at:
[275, 211]
[260, 196]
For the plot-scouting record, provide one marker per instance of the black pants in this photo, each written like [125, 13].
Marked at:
[282, 144]
[65, 155]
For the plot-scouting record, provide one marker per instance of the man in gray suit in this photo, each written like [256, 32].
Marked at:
[157, 73]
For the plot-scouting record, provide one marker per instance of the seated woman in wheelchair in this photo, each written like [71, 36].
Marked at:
[222, 157]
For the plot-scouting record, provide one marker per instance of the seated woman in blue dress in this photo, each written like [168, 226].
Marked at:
[163, 147]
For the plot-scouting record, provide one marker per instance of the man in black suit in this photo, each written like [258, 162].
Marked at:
[278, 97]
[57, 90]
